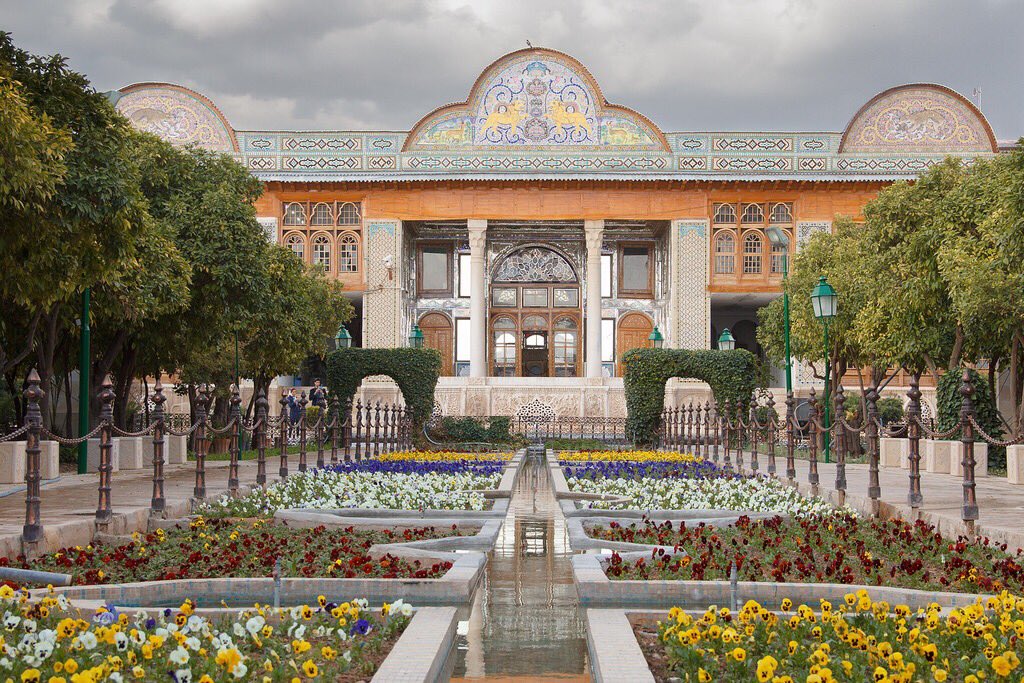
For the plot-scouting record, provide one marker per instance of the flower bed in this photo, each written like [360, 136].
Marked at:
[374, 484]
[834, 549]
[624, 469]
[628, 456]
[651, 489]
[446, 456]
[860, 640]
[218, 548]
[49, 641]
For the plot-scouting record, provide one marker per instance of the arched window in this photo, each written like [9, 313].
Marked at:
[348, 214]
[348, 253]
[778, 256]
[565, 347]
[504, 347]
[322, 252]
[297, 244]
[753, 213]
[294, 214]
[752, 253]
[782, 213]
[725, 213]
[535, 322]
[321, 215]
[725, 253]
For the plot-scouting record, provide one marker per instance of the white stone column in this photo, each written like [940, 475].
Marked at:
[594, 231]
[477, 302]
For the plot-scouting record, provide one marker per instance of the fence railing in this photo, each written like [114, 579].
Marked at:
[734, 434]
[356, 432]
[607, 430]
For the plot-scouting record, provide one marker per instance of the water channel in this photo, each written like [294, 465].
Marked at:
[525, 623]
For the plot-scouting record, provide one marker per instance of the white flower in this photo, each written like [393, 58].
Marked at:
[179, 656]
[406, 610]
[254, 625]
[193, 643]
[195, 623]
[88, 640]
[183, 675]
[240, 670]
[121, 641]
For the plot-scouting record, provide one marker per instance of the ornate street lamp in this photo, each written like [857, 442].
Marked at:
[416, 337]
[342, 340]
[726, 342]
[656, 338]
[778, 238]
[825, 302]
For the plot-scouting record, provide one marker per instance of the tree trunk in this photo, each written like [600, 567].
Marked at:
[45, 352]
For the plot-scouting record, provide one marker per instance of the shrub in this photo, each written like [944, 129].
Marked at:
[498, 429]
[889, 410]
[949, 402]
[732, 376]
[463, 430]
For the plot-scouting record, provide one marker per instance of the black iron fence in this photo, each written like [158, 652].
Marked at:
[356, 432]
[729, 433]
[605, 430]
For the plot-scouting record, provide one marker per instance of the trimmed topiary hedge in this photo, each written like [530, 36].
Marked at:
[414, 370]
[732, 376]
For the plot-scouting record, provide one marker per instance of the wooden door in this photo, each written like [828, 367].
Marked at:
[437, 334]
[634, 330]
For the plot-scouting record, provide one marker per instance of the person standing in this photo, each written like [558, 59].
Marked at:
[294, 411]
[318, 396]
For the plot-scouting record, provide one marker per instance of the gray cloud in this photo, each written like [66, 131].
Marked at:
[687, 64]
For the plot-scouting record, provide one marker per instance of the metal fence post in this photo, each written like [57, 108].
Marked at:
[32, 532]
[235, 415]
[969, 511]
[914, 497]
[158, 503]
[790, 438]
[840, 441]
[303, 402]
[726, 434]
[376, 430]
[346, 430]
[104, 513]
[282, 471]
[202, 403]
[770, 430]
[334, 429]
[359, 428]
[812, 438]
[874, 487]
[260, 437]
[322, 415]
[755, 432]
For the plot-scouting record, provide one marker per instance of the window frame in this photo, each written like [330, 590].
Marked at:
[321, 239]
[293, 238]
[718, 206]
[625, 293]
[750, 236]
[339, 211]
[449, 254]
[760, 211]
[305, 214]
[313, 221]
[722, 236]
[346, 239]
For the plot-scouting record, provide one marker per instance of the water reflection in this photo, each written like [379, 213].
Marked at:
[524, 623]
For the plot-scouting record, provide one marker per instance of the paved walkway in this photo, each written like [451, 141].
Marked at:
[1000, 503]
[68, 504]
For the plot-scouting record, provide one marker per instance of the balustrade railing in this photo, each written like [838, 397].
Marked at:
[355, 432]
[724, 434]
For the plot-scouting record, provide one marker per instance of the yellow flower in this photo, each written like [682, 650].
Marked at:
[940, 674]
[309, 668]
[793, 645]
[328, 653]
[139, 672]
[56, 679]
[703, 676]
[31, 676]
[1001, 665]
[70, 666]
[739, 654]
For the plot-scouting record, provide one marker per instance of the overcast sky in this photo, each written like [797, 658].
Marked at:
[689, 65]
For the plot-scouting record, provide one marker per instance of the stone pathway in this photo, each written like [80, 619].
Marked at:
[525, 624]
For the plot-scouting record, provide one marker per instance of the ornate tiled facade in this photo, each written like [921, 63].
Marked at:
[691, 310]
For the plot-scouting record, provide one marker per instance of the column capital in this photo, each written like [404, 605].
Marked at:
[594, 232]
[477, 235]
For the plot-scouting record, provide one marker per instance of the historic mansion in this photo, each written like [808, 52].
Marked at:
[535, 232]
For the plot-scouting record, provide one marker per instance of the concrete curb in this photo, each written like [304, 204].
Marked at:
[422, 652]
[613, 650]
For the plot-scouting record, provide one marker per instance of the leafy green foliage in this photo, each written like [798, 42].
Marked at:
[473, 430]
[950, 401]
[732, 376]
[889, 410]
[414, 370]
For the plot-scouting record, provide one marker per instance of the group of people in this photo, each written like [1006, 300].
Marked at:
[317, 397]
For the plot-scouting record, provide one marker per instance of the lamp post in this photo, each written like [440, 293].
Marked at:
[726, 342]
[656, 338]
[778, 237]
[416, 337]
[342, 340]
[825, 302]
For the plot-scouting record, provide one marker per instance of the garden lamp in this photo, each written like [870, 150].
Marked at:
[416, 337]
[343, 339]
[825, 300]
[726, 342]
[656, 338]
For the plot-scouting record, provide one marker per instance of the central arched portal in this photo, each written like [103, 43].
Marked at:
[535, 319]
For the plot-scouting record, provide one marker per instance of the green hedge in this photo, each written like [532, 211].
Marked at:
[414, 370]
[732, 376]
[949, 402]
[472, 430]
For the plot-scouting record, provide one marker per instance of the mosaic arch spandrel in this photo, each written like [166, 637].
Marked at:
[918, 118]
[176, 114]
[535, 99]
